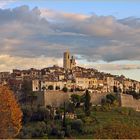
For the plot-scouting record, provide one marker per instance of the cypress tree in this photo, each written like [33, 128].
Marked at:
[87, 103]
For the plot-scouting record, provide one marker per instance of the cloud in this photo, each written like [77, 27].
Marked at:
[3, 3]
[104, 37]
[86, 24]
[118, 66]
[8, 62]
[28, 34]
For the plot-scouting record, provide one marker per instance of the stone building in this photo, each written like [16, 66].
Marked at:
[86, 82]
[26, 74]
[40, 85]
[110, 83]
[4, 77]
[36, 85]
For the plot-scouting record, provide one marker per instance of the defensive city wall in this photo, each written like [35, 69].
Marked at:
[129, 101]
[57, 98]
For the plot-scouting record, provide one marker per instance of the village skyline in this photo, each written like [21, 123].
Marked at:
[101, 35]
[70, 65]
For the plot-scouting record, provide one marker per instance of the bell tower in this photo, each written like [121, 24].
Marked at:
[66, 60]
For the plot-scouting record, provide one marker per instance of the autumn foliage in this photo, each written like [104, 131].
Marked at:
[10, 114]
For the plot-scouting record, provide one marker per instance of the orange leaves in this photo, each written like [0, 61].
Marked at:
[10, 114]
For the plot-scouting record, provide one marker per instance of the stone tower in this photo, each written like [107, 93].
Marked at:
[72, 63]
[66, 60]
[68, 63]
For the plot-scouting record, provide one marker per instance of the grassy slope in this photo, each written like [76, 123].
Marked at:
[100, 119]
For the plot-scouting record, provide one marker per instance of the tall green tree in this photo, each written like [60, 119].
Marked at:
[87, 103]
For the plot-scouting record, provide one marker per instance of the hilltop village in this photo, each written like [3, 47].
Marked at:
[71, 76]
[75, 102]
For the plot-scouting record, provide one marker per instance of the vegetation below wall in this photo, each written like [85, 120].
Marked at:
[107, 121]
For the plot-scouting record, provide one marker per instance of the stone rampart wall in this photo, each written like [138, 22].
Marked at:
[129, 101]
[56, 98]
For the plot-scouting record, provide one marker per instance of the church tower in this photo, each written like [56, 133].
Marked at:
[66, 60]
[72, 63]
[68, 63]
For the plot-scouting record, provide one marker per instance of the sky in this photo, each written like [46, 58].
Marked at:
[100, 34]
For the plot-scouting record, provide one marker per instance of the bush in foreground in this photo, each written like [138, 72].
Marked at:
[77, 125]
[33, 130]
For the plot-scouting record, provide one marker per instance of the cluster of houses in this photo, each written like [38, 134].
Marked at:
[78, 78]
[70, 76]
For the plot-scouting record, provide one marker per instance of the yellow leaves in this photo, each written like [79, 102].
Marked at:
[10, 114]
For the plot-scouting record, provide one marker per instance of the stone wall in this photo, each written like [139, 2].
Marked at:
[56, 98]
[129, 101]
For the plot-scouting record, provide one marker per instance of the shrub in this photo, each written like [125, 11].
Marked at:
[27, 114]
[77, 125]
[50, 87]
[81, 115]
[77, 89]
[70, 107]
[79, 112]
[65, 89]
[103, 101]
[33, 130]
[89, 120]
[61, 134]
[26, 133]
[111, 98]
[57, 88]
[35, 114]
[54, 131]
[39, 129]
[71, 90]
[105, 108]
[76, 100]
[42, 114]
[134, 94]
[68, 131]
[88, 130]
[97, 108]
